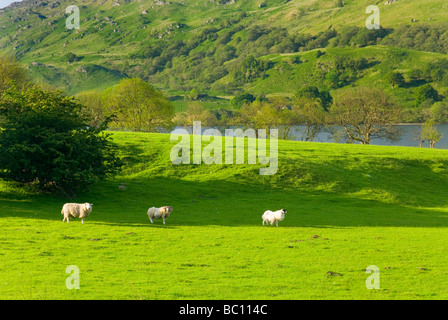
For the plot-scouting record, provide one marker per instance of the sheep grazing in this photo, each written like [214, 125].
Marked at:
[273, 216]
[76, 210]
[159, 213]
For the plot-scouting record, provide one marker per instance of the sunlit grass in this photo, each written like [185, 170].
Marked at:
[349, 207]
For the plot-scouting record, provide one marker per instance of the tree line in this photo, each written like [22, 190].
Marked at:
[52, 141]
[363, 113]
[215, 52]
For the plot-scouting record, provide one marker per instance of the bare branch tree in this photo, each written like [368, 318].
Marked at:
[366, 113]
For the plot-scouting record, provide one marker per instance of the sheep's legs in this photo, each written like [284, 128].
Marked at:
[151, 220]
[163, 221]
[82, 220]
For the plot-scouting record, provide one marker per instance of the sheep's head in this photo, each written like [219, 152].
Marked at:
[168, 209]
[284, 211]
[88, 206]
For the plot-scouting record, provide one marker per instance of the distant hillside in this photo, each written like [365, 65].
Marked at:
[205, 45]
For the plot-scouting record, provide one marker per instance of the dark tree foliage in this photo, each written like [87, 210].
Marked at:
[437, 71]
[395, 79]
[44, 142]
[213, 52]
[425, 92]
[359, 37]
[303, 42]
[341, 72]
[251, 69]
[239, 100]
[422, 37]
[313, 93]
[71, 57]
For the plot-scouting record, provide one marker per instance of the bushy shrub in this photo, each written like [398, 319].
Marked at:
[44, 141]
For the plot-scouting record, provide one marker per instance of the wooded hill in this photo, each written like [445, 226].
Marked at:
[222, 48]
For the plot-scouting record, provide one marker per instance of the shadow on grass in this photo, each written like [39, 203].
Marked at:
[225, 203]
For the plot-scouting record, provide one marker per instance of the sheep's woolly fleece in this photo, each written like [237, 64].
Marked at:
[273, 217]
[76, 210]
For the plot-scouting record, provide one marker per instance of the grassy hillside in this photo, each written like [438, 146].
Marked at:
[202, 42]
[286, 77]
[349, 207]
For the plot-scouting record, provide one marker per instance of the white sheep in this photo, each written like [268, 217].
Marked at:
[159, 213]
[76, 210]
[273, 216]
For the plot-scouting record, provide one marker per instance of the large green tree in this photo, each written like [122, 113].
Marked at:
[311, 114]
[424, 93]
[138, 106]
[94, 107]
[395, 79]
[44, 141]
[313, 93]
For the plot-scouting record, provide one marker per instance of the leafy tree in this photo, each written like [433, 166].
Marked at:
[437, 71]
[342, 71]
[11, 71]
[421, 37]
[311, 114]
[321, 41]
[339, 3]
[224, 53]
[430, 134]
[239, 100]
[262, 114]
[251, 69]
[44, 141]
[139, 107]
[354, 36]
[438, 112]
[224, 118]
[395, 79]
[424, 93]
[194, 94]
[94, 108]
[256, 32]
[313, 93]
[196, 112]
[71, 57]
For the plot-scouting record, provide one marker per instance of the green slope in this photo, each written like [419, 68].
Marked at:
[349, 207]
[116, 36]
[286, 77]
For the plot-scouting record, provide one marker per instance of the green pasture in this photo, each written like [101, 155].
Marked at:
[349, 207]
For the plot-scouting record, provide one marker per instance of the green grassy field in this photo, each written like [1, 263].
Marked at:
[349, 207]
